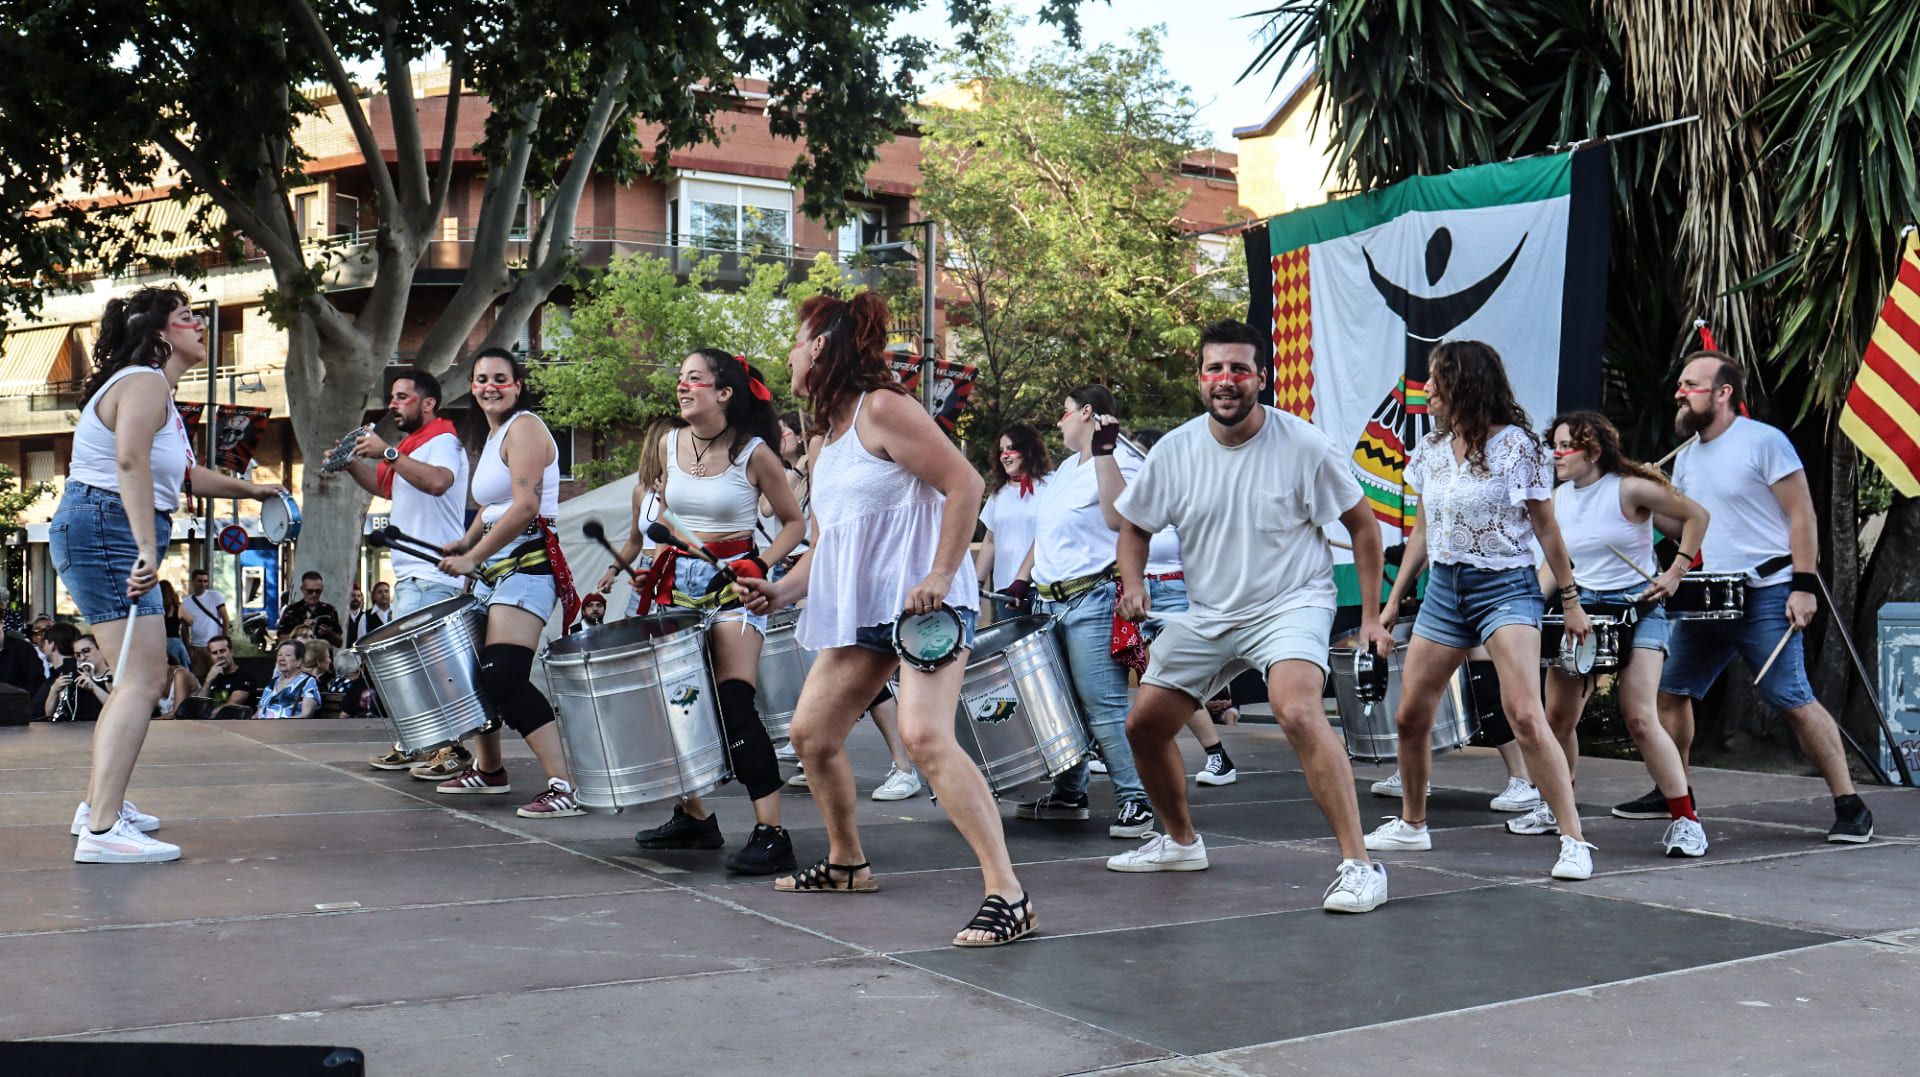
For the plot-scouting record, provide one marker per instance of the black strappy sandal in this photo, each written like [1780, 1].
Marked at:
[817, 878]
[1000, 918]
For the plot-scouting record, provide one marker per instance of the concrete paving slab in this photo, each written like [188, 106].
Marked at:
[70, 744]
[1301, 820]
[253, 968]
[1405, 959]
[72, 781]
[915, 910]
[1896, 812]
[1866, 890]
[308, 730]
[1490, 852]
[889, 1020]
[1843, 1008]
[181, 803]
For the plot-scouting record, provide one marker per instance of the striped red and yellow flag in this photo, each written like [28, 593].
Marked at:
[1882, 415]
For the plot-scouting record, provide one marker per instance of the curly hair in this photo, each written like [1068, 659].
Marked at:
[746, 414]
[130, 331]
[1033, 455]
[1479, 397]
[1593, 432]
[854, 358]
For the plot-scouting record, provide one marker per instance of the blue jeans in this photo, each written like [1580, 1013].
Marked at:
[1701, 649]
[416, 592]
[1165, 596]
[92, 548]
[1086, 639]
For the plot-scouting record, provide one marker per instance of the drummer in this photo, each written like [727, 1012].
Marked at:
[1485, 497]
[1020, 471]
[895, 504]
[1747, 474]
[1248, 488]
[649, 476]
[720, 462]
[1606, 502]
[516, 483]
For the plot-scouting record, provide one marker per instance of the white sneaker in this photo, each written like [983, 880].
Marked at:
[124, 844]
[138, 818]
[1218, 771]
[1161, 853]
[1390, 786]
[799, 779]
[1097, 765]
[1576, 860]
[1397, 833]
[1519, 795]
[1360, 887]
[786, 754]
[900, 785]
[1685, 837]
[1538, 821]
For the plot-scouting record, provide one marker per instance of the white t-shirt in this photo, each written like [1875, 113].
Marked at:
[1011, 519]
[433, 519]
[1250, 515]
[1071, 537]
[206, 622]
[1732, 477]
[1477, 515]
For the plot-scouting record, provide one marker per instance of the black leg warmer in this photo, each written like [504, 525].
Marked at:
[506, 675]
[748, 745]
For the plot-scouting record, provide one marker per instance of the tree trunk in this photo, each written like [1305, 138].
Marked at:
[331, 391]
[1832, 670]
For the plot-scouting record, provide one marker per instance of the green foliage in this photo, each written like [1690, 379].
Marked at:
[15, 498]
[633, 323]
[1059, 199]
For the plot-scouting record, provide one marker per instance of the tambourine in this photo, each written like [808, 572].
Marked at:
[1369, 675]
[927, 641]
[340, 457]
[1576, 659]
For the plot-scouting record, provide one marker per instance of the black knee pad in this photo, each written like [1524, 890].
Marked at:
[506, 675]
[886, 693]
[748, 745]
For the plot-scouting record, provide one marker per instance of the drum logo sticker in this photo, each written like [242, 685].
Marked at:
[993, 709]
[683, 697]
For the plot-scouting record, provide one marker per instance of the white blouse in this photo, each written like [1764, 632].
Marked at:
[1477, 515]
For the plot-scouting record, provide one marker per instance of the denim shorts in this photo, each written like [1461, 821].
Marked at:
[92, 548]
[880, 637]
[1701, 650]
[1650, 632]
[534, 592]
[692, 575]
[1465, 606]
[417, 592]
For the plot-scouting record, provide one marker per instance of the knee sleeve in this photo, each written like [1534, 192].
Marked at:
[748, 746]
[886, 693]
[506, 675]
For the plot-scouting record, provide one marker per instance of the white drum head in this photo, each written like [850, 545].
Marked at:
[279, 519]
[1579, 656]
[927, 641]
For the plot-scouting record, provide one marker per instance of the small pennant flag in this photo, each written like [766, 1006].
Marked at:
[1880, 415]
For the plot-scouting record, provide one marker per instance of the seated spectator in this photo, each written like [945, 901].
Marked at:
[81, 685]
[293, 693]
[179, 686]
[227, 683]
[21, 664]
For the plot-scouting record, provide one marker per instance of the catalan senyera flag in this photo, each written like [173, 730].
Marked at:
[1880, 415]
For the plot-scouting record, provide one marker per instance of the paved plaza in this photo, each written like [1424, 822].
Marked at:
[320, 902]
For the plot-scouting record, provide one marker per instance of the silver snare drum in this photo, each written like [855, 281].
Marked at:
[1369, 727]
[1018, 718]
[425, 669]
[1708, 596]
[638, 718]
[783, 670]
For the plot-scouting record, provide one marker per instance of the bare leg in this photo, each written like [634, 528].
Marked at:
[886, 718]
[1820, 740]
[1152, 727]
[1637, 688]
[1516, 763]
[1516, 656]
[1676, 714]
[122, 727]
[1293, 689]
[843, 681]
[1200, 724]
[1566, 701]
[1429, 666]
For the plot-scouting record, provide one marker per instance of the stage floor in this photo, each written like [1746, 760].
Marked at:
[322, 902]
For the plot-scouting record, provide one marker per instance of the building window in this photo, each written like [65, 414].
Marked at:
[715, 215]
[565, 438]
[308, 219]
[39, 467]
[863, 229]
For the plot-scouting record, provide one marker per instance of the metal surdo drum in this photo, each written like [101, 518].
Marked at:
[425, 669]
[637, 711]
[1368, 726]
[1601, 653]
[1018, 718]
[783, 669]
[1709, 596]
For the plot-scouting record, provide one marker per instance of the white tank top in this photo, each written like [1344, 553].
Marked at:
[714, 504]
[879, 529]
[492, 485]
[1590, 520]
[94, 456]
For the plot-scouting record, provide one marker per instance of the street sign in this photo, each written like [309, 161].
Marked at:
[233, 538]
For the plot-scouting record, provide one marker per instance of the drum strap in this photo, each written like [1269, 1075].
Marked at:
[529, 557]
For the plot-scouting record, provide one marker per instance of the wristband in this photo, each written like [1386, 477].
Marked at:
[1685, 557]
[1807, 582]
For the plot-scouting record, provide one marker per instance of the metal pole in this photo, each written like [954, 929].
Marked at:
[206, 426]
[929, 279]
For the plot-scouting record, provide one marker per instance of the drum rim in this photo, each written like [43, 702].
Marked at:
[271, 522]
[388, 633]
[926, 665]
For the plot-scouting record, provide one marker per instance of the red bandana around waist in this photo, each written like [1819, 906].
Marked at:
[384, 474]
[660, 576]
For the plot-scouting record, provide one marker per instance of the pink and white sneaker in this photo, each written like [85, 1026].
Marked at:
[473, 781]
[556, 803]
[124, 844]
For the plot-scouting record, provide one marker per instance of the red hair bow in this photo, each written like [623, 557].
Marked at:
[754, 385]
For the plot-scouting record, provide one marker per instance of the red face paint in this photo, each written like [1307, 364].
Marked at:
[1230, 378]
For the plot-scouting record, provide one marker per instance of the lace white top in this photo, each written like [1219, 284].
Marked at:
[1478, 515]
[879, 529]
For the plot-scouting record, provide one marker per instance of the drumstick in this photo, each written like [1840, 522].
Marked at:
[380, 539]
[126, 638]
[1628, 561]
[666, 536]
[1777, 648]
[594, 531]
[1662, 462]
[1337, 544]
[680, 530]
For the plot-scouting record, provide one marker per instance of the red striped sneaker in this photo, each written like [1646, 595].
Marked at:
[556, 803]
[473, 781]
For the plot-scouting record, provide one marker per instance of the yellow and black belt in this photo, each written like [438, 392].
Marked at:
[1066, 590]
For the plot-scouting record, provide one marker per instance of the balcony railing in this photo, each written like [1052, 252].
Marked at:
[55, 396]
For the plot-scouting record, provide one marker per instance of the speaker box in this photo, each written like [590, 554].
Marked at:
[180, 1060]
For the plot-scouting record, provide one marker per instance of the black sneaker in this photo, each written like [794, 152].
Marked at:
[1055, 806]
[1651, 806]
[1135, 821]
[1852, 824]
[769, 851]
[683, 831]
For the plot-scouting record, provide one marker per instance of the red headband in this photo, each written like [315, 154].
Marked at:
[754, 385]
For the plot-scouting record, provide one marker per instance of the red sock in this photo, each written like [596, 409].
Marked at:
[1681, 807]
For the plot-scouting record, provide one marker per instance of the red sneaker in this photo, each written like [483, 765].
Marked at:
[475, 782]
[556, 803]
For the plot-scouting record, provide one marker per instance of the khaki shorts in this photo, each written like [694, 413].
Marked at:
[1196, 665]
